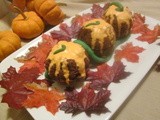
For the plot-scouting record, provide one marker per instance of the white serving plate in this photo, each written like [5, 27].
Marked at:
[119, 91]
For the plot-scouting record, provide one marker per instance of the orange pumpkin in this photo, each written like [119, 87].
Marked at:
[29, 27]
[9, 42]
[30, 5]
[49, 11]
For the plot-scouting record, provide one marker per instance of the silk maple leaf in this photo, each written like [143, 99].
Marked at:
[67, 32]
[42, 96]
[139, 26]
[14, 82]
[98, 11]
[37, 55]
[129, 52]
[87, 100]
[29, 65]
[149, 35]
[106, 74]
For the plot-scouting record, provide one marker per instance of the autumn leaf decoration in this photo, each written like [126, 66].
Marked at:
[25, 90]
[14, 82]
[87, 100]
[146, 34]
[67, 32]
[98, 11]
[106, 74]
[129, 52]
[42, 96]
[37, 55]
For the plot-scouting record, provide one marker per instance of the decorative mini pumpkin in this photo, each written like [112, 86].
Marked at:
[27, 25]
[30, 5]
[50, 11]
[9, 42]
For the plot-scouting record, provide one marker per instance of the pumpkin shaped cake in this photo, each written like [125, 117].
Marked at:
[121, 20]
[9, 42]
[99, 35]
[67, 62]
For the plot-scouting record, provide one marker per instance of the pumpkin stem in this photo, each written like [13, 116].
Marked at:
[20, 12]
[61, 4]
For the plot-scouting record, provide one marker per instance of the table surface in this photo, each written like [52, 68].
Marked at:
[144, 102]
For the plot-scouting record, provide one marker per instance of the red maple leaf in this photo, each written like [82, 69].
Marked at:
[37, 55]
[80, 19]
[139, 26]
[129, 52]
[100, 78]
[14, 82]
[98, 11]
[106, 74]
[29, 65]
[139, 18]
[149, 35]
[87, 100]
[67, 32]
[41, 51]
[42, 96]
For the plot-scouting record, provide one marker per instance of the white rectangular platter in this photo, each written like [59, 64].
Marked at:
[119, 91]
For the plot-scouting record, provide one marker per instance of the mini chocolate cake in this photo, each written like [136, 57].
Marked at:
[67, 62]
[99, 35]
[120, 20]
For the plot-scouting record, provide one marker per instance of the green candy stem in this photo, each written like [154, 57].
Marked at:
[46, 75]
[94, 23]
[63, 47]
[91, 52]
[118, 4]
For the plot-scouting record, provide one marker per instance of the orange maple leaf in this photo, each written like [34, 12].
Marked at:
[30, 64]
[42, 96]
[139, 26]
[129, 52]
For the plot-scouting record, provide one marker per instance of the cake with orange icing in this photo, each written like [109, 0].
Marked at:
[99, 35]
[120, 20]
[67, 62]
